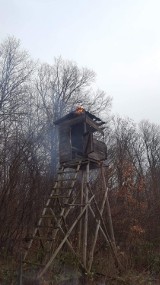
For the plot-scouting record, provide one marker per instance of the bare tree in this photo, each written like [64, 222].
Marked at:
[151, 140]
[15, 70]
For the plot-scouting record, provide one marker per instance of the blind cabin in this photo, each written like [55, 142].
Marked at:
[81, 137]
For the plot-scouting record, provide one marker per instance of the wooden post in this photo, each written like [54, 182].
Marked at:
[64, 240]
[108, 210]
[106, 236]
[97, 230]
[85, 234]
[81, 202]
[68, 242]
[20, 277]
[112, 246]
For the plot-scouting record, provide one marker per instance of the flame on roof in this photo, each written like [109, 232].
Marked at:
[79, 110]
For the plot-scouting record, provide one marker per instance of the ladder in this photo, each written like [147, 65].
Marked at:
[62, 199]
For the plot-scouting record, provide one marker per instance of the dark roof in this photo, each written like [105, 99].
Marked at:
[73, 115]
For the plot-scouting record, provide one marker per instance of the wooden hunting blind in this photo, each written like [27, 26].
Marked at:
[81, 137]
[72, 208]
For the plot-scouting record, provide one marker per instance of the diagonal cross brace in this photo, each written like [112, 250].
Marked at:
[64, 240]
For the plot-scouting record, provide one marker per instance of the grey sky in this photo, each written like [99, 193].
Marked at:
[119, 40]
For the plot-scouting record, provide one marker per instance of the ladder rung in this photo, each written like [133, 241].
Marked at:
[67, 172]
[76, 163]
[66, 179]
[33, 263]
[45, 216]
[80, 205]
[64, 187]
[47, 227]
[42, 238]
[58, 196]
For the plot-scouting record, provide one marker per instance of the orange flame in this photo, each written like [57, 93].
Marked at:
[80, 110]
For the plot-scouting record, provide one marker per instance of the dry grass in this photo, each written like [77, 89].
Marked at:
[133, 278]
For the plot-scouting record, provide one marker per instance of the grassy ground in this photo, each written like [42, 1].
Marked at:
[65, 271]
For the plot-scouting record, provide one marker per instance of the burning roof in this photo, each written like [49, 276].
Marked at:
[80, 111]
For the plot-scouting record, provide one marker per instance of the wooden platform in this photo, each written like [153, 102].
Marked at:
[93, 164]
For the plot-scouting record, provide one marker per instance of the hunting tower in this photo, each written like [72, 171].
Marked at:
[73, 213]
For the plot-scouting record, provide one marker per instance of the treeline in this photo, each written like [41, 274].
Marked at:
[32, 97]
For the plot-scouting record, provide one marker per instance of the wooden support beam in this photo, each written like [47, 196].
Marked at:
[70, 245]
[97, 230]
[97, 221]
[80, 224]
[85, 233]
[108, 209]
[64, 240]
[111, 244]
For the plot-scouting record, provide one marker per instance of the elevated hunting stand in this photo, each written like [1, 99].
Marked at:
[72, 215]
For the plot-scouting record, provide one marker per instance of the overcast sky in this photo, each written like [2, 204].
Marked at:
[118, 39]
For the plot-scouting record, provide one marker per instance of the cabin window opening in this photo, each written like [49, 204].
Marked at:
[77, 132]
